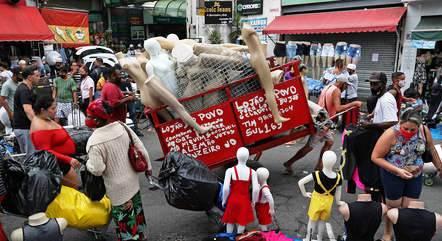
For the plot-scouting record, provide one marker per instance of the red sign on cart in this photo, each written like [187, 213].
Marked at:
[255, 119]
[219, 144]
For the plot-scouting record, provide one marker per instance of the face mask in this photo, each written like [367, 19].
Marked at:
[402, 83]
[407, 134]
[91, 123]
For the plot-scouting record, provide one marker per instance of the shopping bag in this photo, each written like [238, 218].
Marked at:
[77, 118]
[79, 210]
[93, 186]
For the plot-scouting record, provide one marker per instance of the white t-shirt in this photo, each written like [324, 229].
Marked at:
[386, 109]
[86, 84]
[352, 90]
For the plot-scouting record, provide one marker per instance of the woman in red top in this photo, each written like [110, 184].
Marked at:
[47, 135]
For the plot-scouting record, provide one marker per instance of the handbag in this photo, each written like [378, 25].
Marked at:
[136, 157]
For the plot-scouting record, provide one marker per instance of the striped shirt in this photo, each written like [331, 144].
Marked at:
[65, 88]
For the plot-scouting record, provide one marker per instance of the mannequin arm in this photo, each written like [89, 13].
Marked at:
[302, 183]
[17, 235]
[255, 188]
[345, 212]
[338, 196]
[269, 198]
[384, 209]
[393, 215]
[438, 221]
[62, 223]
[226, 186]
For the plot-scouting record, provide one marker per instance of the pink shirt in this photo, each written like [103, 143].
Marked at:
[326, 97]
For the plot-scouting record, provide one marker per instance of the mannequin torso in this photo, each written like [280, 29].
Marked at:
[265, 207]
[40, 227]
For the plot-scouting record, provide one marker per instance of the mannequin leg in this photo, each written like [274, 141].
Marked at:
[349, 59]
[306, 59]
[71, 179]
[318, 68]
[230, 227]
[259, 63]
[388, 229]
[263, 228]
[313, 64]
[321, 229]
[311, 228]
[240, 229]
[329, 61]
[169, 99]
[355, 60]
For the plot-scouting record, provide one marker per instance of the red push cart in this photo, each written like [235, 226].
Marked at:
[240, 118]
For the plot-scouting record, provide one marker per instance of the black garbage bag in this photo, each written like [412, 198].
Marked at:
[93, 186]
[189, 184]
[80, 137]
[33, 185]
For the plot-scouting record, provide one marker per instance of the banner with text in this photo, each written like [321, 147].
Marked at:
[218, 12]
[249, 7]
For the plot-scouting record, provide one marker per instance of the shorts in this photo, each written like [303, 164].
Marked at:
[280, 50]
[341, 49]
[396, 187]
[354, 52]
[328, 50]
[65, 168]
[315, 50]
[303, 49]
[291, 51]
[320, 207]
[63, 110]
[320, 136]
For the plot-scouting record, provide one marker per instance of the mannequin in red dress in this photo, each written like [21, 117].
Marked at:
[265, 207]
[236, 197]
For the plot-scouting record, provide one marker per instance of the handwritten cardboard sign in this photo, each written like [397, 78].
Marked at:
[256, 120]
[220, 144]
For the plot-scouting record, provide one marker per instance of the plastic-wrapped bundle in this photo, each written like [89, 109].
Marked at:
[80, 137]
[188, 183]
[32, 185]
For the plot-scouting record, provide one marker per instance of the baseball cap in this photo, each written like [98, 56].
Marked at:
[351, 66]
[378, 77]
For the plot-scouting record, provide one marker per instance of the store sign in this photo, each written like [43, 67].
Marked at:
[218, 12]
[300, 2]
[69, 34]
[249, 7]
[258, 24]
[423, 44]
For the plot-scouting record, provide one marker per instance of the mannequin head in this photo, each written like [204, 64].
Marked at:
[242, 155]
[173, 37]
[329, 159]
[182, 53]
[263, 175]
[152, 47]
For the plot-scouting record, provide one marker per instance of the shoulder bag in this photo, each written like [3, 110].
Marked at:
[136, 157]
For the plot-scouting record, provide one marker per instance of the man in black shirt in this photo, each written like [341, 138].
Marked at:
[23, 113]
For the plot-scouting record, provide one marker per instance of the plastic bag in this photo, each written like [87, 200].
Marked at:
[32, 185]
[77, 118]
[79, 210]
[188, 183]
[80, 137]
[93, 186]
[221, 237]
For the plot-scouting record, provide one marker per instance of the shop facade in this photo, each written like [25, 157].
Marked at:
[422, 33]
[375, 26]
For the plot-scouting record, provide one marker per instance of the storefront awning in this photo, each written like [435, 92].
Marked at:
[354, 21]
[21, 23]
[170, 8]
[70, 28]
[429, 29]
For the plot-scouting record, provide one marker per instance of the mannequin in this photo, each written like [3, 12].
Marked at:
[414, 221]
[160, 65]
[172, 37]
[265, 207]
[327, 55]
[353, 54]
[277, 76]
[321, 203]
[169, 44]
[259, 63]
[280, 51]
[153, 94]
[362, 218]
[236, 197]
[341, 51]
[40, 227]
[315, 56]
[306, 53]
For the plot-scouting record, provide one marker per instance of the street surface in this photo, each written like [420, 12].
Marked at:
[167, 223]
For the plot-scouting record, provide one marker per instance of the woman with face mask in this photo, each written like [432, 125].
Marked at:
[398, 153]
[48, 135]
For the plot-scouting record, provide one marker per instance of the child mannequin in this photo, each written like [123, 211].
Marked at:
[327, 187]
[40, 227]
[265, 207]
[236, 197]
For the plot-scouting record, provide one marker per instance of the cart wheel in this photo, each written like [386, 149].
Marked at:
[428, 181]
